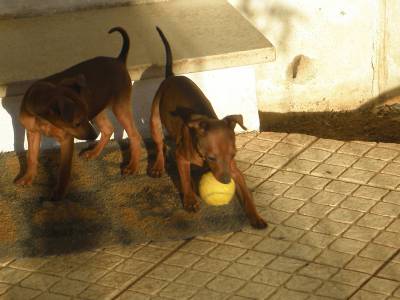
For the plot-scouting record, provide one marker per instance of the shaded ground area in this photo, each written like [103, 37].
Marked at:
[101, 207]
[334, 233]
[359, 125]
[376, 120]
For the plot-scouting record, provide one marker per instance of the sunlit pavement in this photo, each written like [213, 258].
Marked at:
[334, 233]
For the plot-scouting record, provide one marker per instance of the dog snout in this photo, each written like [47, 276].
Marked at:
[86, 132]
[92, 136]
[225, 178]
[92, 133]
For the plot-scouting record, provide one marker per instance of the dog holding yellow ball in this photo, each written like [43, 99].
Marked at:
[201, 139]
[214, 192]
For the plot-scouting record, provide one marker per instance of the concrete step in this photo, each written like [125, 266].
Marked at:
[204, 35]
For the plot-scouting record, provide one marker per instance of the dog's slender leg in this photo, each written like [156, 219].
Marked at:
[106, 129]
[246, 198]
[190, 199]
[67, 149]
[123, 112]
[32, 158]
[157, 134]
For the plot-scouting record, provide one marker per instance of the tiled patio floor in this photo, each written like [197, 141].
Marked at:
[334, 233]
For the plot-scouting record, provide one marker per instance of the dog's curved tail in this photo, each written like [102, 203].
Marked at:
[168, 53]
[123, 55]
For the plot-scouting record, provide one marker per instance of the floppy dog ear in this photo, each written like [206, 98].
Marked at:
[232, 120]
[191, 119]
[67, 108]
[200, 125]
[39, 93]
[77, 83]
[63, 107]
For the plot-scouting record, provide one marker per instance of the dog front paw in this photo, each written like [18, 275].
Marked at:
[258, 222]
[56, 196]
[156, 170]
[26, 179]
[58, 193]
[191, 203]
[89, 154]
[130, 169]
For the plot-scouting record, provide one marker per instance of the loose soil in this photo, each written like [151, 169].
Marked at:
[363, 125]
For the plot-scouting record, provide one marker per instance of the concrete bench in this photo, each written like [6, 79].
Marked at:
[211, 43]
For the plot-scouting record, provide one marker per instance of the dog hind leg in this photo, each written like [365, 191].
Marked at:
[123, 113]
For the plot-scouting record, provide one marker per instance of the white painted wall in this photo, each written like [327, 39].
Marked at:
[390, 42]
[345, 59]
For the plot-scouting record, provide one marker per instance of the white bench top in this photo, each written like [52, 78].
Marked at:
[204, 35]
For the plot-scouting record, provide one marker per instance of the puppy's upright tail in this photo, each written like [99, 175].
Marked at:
[168, 53]
[123, 55]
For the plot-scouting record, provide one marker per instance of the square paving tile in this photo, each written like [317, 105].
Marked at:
[333, 213]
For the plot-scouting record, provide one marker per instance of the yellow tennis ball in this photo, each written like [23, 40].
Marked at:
[214, 192]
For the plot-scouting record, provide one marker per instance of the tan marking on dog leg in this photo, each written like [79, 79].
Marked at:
[158, 167]
[190, 199]
[32, 158]
[122, 111]
[106, 129]
[246, 198]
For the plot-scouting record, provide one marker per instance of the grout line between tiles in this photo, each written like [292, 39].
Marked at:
[281, 168]
[385, 263]
[126, 286]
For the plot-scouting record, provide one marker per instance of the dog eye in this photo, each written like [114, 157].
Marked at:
[77, 124]
[211, 158]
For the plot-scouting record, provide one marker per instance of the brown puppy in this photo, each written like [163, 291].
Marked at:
[200, 137]
[62, 105]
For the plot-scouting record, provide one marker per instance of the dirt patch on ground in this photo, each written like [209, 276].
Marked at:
[101, 207]
[363, 125]
[8, 230]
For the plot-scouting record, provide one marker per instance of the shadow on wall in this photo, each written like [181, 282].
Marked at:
[377, 120]
[282, 16]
